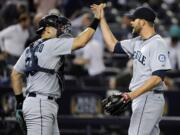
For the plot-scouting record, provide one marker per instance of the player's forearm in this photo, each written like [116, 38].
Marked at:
[86, 35]
[17, 82]
[147, 86]
[109, 38]
[81, 40]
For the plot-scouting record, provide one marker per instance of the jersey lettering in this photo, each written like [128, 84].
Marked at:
[39, 48]
[139, 56]
[28, 62]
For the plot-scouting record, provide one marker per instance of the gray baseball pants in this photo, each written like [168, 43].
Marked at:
[147, 112]
[40, 115]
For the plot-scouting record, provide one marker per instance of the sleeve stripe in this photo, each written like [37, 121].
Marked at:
[160, 73]
[118, 48]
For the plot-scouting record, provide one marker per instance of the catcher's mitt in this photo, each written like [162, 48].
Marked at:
[116, 104]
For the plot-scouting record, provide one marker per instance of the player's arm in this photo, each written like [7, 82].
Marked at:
[82, 39]
[17, 85]
[108, 36]
[17, 78]
[17, 82]
[147, 86]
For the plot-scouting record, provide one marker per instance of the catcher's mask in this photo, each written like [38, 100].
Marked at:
[61, 23]
[64, 26]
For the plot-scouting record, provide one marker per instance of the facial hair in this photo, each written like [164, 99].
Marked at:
[136, 30]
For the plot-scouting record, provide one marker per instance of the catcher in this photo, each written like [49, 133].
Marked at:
[43, 63]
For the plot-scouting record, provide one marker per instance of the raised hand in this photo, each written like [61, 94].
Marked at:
[102, 6]
[98, 10]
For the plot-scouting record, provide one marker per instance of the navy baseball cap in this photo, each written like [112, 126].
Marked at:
[146, 13]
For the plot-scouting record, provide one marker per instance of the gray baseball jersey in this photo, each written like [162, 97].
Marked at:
[48, 54]
[148, 56]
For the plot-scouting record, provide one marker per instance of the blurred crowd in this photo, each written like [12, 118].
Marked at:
[92, 65]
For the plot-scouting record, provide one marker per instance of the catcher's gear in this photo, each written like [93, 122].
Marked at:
[116, 104]
[20, 118]
[49, 20]
[64, 26]
[61, 23]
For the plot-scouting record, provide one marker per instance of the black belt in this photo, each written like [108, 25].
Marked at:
[32, 94]
[158, 91]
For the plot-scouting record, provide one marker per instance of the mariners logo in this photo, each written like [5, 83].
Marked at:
[162, 58]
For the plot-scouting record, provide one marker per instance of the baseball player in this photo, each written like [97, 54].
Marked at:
[42, 63]
[150, 62]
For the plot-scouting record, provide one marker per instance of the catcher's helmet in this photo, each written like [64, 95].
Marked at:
[61, 23]
[49, 20]
[64, 25]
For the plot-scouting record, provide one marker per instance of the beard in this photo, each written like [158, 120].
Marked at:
[136, 30]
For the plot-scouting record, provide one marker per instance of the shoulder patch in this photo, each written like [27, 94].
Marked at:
[162, 58]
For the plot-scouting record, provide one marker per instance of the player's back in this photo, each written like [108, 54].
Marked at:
[48, 54]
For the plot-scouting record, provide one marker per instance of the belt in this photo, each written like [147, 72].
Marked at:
[32, 94]
[158, 91]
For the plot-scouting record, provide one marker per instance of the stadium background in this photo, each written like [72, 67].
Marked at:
[80, 110]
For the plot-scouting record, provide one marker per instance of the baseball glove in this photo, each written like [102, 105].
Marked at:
[116, 104]
[20, 118]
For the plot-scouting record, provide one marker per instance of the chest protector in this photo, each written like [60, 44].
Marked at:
[32, 66]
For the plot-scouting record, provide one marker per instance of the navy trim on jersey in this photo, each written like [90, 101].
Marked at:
[118, 48]
[160, 73]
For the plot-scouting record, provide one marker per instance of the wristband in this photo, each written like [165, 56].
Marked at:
[94, 24]
[19, 98]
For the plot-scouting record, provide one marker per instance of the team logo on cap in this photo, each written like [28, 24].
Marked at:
[162, 58]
